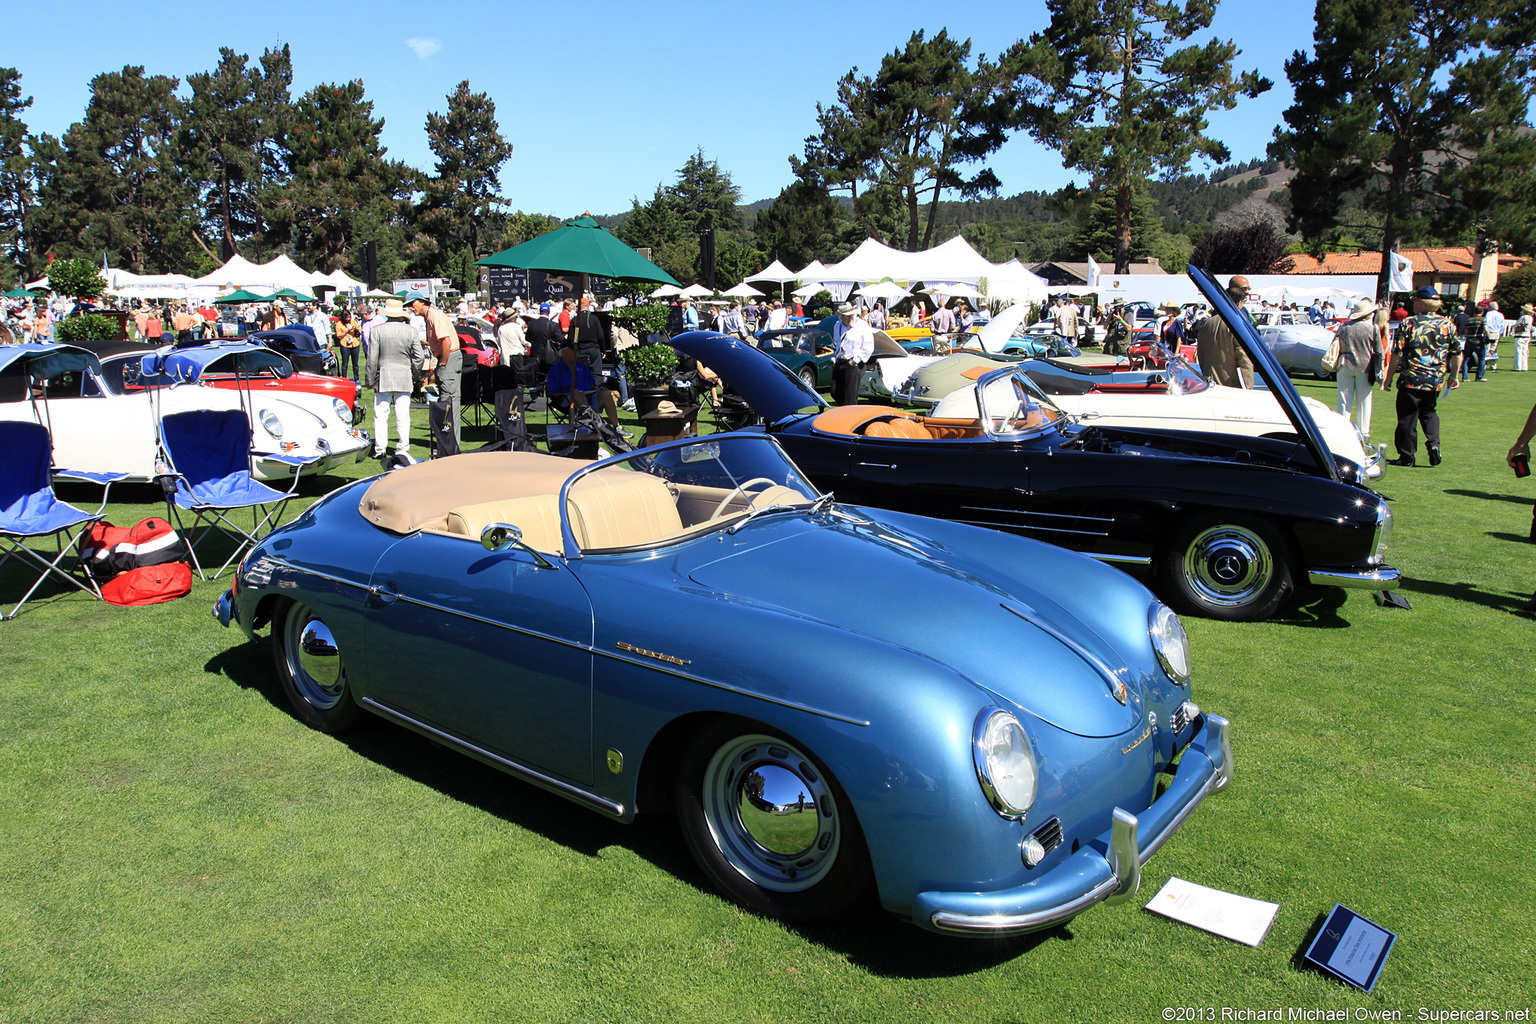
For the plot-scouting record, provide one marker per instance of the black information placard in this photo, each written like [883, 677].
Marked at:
[1351, 948]
[508, 283]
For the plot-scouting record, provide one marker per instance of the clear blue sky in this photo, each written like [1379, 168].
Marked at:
[602, 100]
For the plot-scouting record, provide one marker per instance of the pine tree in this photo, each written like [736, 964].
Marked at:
[17, 179]
[1104, 85]
[116, 187]
[461, 198]
[339, 178]
[1415, 109]
[907, 132]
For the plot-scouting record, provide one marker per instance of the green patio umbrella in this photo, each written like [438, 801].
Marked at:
[581, 247]
[293, 293]
[242, 295]
[23, 293]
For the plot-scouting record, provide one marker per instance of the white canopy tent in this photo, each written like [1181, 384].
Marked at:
[775, 273]
[666, 291]
[1013, 281]
[890, 291]
[952, 290]
[338, 280]
[742, 291]
[695, 291]
[805, 291]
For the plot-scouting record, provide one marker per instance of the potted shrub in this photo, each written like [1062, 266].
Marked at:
[650, 369]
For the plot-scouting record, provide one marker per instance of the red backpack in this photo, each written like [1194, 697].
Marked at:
[149, 584]
[107, 550]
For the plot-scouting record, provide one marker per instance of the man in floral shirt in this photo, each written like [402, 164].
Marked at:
[1425, 356]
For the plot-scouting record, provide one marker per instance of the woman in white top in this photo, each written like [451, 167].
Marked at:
[1522, 338]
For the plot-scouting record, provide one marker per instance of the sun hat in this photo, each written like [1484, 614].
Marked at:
[847, 309]
[1528, 308]
[394, 309]
[1359, 309]
[1173, 306]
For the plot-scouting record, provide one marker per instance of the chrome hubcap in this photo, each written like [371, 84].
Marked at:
[1228, 565]
[771, 813]
[314, 662]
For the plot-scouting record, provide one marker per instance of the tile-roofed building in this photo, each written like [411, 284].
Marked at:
[1450, 269]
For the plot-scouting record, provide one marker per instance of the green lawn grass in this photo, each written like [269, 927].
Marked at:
[175, 846]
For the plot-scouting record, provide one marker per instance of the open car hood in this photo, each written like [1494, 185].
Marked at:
[1268, 368]
[995, 334]
[759, 378]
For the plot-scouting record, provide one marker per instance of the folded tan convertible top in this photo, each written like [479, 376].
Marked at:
[421, 496]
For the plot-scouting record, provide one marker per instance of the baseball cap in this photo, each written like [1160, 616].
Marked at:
[1427, 292]
[543, 307]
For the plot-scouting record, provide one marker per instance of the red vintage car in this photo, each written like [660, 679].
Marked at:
[332, 387]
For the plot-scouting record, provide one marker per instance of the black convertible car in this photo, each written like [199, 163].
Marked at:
[1228, 526]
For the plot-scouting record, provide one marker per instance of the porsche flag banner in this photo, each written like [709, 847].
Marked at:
[1402, 273]
[1093, 272]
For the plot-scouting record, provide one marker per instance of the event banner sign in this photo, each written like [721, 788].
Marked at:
[507, 283]
[1351, 948]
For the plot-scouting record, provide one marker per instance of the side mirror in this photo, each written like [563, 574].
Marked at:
[505, 537]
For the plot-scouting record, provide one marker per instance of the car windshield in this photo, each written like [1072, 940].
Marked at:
[122, 376]
[1182, 378]
[1011, 405]
[659, 495]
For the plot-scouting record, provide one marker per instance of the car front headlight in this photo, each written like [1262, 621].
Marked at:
[1005, 765]
[342, 412]
[1169, 641]
[271, 424]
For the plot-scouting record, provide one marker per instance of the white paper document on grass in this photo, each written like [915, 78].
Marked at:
[1222, 913]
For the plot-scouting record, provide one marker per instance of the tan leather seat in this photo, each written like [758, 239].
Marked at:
[618, 509]
[899, 427]
[538, 517]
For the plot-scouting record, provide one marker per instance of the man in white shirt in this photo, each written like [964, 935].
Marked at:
[1066, 320]
[1494, 325]
[319, 321]
[778, 319]
[853, 342]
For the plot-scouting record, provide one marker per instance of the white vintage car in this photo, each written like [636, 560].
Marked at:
[1181, 400]
[1298, 344]
[105, 423]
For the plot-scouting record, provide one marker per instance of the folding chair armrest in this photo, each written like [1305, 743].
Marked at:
[106, 480]
[298, 462]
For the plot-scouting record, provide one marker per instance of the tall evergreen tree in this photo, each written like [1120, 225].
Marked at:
[17, 179]
[116, 188]
[703, 197]
[1104, 84]
[460, 199]
[805, 223]
[218, 143]
[1418, 110]
[339, 179]
[910, 129]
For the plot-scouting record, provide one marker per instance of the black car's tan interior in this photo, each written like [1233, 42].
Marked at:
[613, 508]
[887, 421]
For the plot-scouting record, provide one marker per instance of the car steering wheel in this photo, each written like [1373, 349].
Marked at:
[740, 491]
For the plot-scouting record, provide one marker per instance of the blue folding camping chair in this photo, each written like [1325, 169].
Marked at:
[209, 476]
[30, 511]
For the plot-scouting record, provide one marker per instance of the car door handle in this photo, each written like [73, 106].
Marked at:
[879, 465]
[383, 593]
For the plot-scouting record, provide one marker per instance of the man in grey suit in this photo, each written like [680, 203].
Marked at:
[393, 352]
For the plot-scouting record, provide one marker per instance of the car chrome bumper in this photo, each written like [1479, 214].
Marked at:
[1383, 577]
[225, 609]
[1107, 870]
[908, 398]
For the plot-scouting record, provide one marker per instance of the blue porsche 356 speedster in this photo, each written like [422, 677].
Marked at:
[693, 627]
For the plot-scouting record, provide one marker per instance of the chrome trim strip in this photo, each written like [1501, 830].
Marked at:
[1123, 559]
[643, 663]
[418, 602]
[316, 572]
[1385, 578]
[1026, 512]
[657, 667]
[509, 766]
[991, 524]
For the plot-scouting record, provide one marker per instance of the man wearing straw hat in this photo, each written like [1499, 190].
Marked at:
[393, 353]
[1522, 336]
